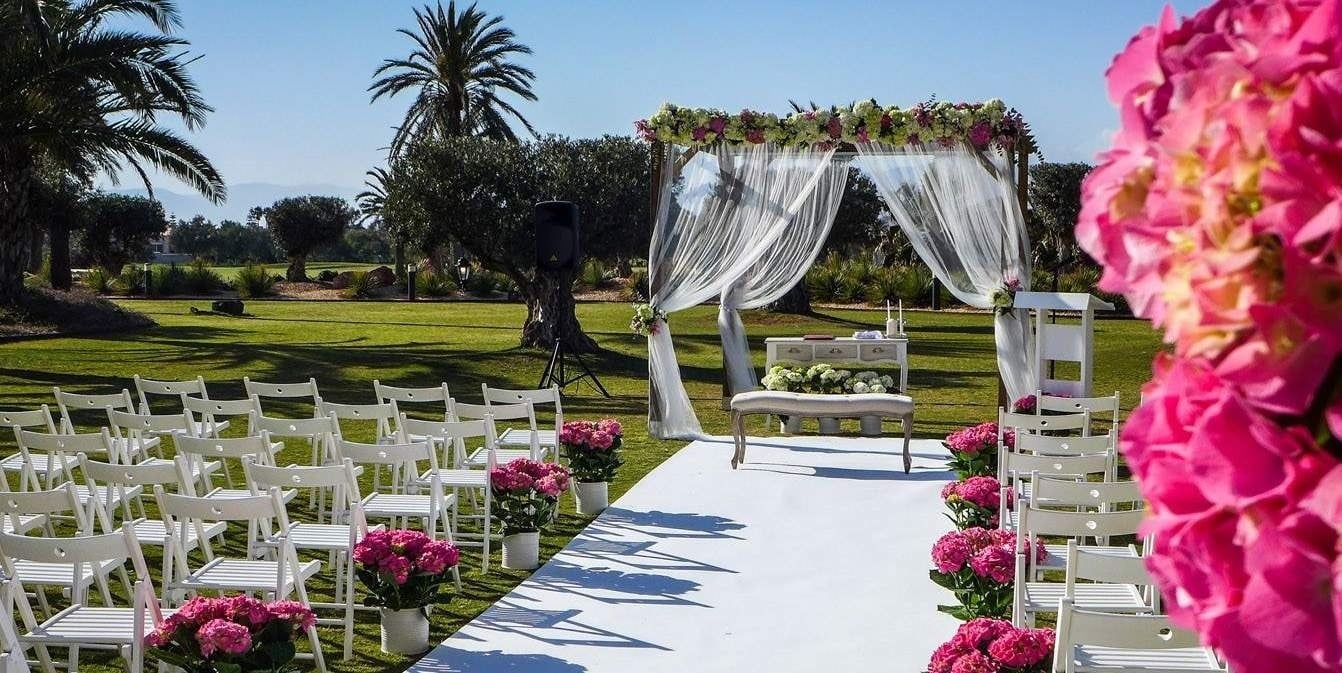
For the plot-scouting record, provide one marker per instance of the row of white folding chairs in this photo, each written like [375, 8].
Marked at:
[1104, 408]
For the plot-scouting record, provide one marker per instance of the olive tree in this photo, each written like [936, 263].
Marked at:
[302, 224]
[1055, 202]
[118, 228]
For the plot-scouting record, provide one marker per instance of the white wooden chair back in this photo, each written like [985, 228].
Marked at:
[258, 390]
[463, 411]
[410, 396]
[1050, 445]
[1104, 568]
[144, 388]
[382, 415]
[195, 451]
[453, 436]
[118, 477]
[1023, 465]
[1146, 635]
[58, 449]
[62, 500]
[68, 403]
[133, 429]
[309, 428]
[537, 397]
[1087, 494]
[260, 478]
[1033, 423]
[211, 411]
[1100, 408]
[30, 418]
[403, 456]
[1036, 522]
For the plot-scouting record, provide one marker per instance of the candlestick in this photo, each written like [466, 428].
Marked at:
[887, 308]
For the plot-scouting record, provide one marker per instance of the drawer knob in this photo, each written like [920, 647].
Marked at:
[835, 351]
[878, 349]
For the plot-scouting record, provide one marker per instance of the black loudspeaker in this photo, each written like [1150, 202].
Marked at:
[557, 235]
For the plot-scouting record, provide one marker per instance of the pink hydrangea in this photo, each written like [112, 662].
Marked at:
[437, 557]
[1026, 404]
[221, 635]
[201, 609]
[987, 644]
[508, 478]
[982, 491]
[980, 631]
[372, 548]
[974, 439]
[247, 610]
[293, 612]
[601, 440]
[951, 552]
[408, 542]
[996, 562]
[549, 485]
[397, 566]
[945, 656]
[975, 662]
[1022, 648]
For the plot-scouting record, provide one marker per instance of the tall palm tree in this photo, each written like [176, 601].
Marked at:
[85, 98]
[458, 69]
[371, 202]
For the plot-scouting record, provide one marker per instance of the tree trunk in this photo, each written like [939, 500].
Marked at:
[551, 314]
[298, 269]
[60, 256]
[797, 300]
[15, 181]
[35, 245]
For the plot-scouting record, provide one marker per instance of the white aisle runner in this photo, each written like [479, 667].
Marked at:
[812, 557]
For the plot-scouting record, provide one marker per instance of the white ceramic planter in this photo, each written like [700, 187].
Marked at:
[870, 426]
[790, 426]
[522, 551]
[405, 631]
[593, 496]
[829, 426]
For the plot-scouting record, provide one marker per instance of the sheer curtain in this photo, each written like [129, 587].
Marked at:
[722, 210]
[958, 208]
[784, 265]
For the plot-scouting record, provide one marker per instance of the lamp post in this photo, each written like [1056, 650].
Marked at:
[463, 271]
[410, 272]
[148, 279]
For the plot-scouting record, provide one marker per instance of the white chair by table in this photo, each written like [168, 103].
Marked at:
[515, 437]
[1100, 642]
[80, 625]
[69, 403]
[459, 475]
[275, 578]
[520, 411]
[429, 508]
[17, 420]
[336, 539]
[1112, 584]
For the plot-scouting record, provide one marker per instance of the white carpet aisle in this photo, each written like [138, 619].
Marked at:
[812, 557]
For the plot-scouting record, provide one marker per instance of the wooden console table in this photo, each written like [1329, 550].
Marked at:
[843, 350]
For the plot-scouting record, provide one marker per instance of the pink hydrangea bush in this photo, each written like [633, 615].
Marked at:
[985, 645]
[1218, 213]
[592, 449]
[1026, 404]
[234, 634]
[978, 565]
[974, 449]
[974, 502]
[404, 569]
[526, 494]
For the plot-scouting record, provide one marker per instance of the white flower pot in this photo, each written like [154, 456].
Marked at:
[522, 551]
[829, 426]
[405, 631]
[870, 425]
[593, 496]
[790, 425]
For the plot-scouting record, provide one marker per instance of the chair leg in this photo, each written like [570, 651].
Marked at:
[349, 608]
[908, 437]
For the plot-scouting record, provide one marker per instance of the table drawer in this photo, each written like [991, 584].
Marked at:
[794, 353]
[879, 352]
[836, 351]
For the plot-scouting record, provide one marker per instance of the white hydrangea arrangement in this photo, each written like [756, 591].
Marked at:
[787, 379]
[870, 382]
[824, 378]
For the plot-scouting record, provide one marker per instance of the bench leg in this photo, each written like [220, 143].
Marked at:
[908, 436]
[738, 438]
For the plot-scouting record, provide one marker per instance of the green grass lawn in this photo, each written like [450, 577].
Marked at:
[230, 273]
[346, 345]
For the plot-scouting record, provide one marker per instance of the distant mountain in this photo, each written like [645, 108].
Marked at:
[241, 198]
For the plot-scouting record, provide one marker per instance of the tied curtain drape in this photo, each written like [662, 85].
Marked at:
[959, 210]
[725, 225]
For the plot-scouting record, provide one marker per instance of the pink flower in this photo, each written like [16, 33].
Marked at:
[220, 635]
[247, 610]
[982, 491]
[951, 552]
[437, 557]
[755, 136]
[980, 631]
[1022, 648]
[975, 662]
[699, 133]
[201, 609]
[980, 134]
[293, 612]
[549, 485]
[717, 124]
[945, 656]
[834, 128]
[974, 439]
[408, 542]
[372, 548]
[997, 563]
[610, 426]
[398, 567]
[601, 440]
[507, 478]
[1025, 404]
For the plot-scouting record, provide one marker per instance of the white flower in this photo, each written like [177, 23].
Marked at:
[860, 387]
[877, 388]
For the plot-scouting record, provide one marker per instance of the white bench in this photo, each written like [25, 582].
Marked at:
[819, 406]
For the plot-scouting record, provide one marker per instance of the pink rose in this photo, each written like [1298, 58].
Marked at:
[220, 635]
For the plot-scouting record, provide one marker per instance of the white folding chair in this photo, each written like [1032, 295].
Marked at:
[429, 508]
[17, 420]
[80, 625]
[20, 524]
[48, 457]
[69, 403]
[514, 437]
[382, 415]
[215, 415]
[1036, 522]
[336, 539]
[62, 502]
[198, 450]
[275, 578]
[1069, 424]
[452, 435]
[321, 433]
[282, 391]
[146, 388]
[12, 657]
[1100, 642]
[1098, 407]
[523, 411]
[411, 399]
[126, 482]
[1113, 584]
[1015, 470]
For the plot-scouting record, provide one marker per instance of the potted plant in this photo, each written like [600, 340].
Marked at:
[826, 380]
[404, 571]
[237, 634]
[593, 452]
[975, 502]
[869, 382]
[526, 497]
[995, 645]
[978, 565]
[974, 449]
[786, 379]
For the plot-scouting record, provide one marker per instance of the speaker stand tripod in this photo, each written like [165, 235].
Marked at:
[556, 371]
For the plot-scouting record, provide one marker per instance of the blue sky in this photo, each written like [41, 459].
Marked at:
[288, 77]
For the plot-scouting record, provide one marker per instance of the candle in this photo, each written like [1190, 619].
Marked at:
[887, 307]
[901, 314]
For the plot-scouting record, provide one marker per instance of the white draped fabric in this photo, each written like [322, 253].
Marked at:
[723, 210]
[958, 207]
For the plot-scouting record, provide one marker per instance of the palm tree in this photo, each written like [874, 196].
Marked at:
[371, 203]
[83, 98]
[458, 70]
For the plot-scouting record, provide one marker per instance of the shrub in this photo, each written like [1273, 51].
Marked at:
[327, 275]
[885, 286]
[484, 283]
[253, 281]
[434, 284]
[595, 276]
[130, 281]
[825, 284]
[169, 280]
[362, 285]
[97, 281]
[201, 279]
[638, 285]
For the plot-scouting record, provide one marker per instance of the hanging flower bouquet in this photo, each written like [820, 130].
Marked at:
[230, 635]
[974, 450]
[986, 645]
[1026, 404]
[1004, 298]
[869, 382]
[825, 379]
[1218, 213]
[978, 565]
[645, 319]
[975, 502]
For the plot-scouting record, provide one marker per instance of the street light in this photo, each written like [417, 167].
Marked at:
[410, 272]
[148, 279]
[463, 270]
